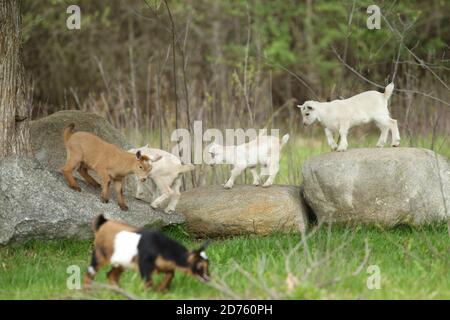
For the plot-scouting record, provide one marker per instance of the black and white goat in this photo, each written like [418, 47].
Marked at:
[143, 250]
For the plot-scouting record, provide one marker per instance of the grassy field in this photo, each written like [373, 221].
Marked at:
[331, 263]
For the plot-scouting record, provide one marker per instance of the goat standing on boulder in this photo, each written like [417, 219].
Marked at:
[86, 151]
[341, 115]
[264, 150]
[166, 176]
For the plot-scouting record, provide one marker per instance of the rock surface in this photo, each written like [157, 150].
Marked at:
[244, 209]
[36, 203]
[47, 135]
[384, 187]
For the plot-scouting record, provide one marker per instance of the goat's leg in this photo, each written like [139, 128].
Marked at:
[146, 267]
[114, 275]
[273, 170]
[165, 190]
[237, 170]
[97, 261]
[175, 196]
[106, 180]
[153, 189]
[157, 202]
[140, 189]
[384, 130]
[330, 139]
[83, 171]
[118, 186]
[256, 179]
[165, 283]
[71, 163]
[395, 133]
[343, 144]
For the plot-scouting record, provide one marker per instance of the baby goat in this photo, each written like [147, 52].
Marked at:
[146, 251]
[166, 176]
[341, 115]
[264, 150]
[86, 151]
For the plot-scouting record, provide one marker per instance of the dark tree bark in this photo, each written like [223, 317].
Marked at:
[14, 114]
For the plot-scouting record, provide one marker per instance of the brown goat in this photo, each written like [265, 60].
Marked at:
[86, 151]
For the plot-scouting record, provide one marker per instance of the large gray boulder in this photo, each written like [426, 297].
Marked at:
[36, 203]
[384, 187]
[244, 209]
[47, 135]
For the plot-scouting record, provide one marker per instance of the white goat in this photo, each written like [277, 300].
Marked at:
[166, 178]
[341, 115]
[264, 150]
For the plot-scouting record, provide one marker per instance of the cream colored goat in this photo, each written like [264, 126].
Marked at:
[165, 178]
[264, 150]
[340, 115]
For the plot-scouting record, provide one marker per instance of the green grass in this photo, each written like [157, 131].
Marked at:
[331, 264]
[413, 263]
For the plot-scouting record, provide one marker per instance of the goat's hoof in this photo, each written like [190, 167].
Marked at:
[227, 187]
[103, 200]
[76, 188]
[124, 208]
[396, 145]
[341, 149]
[256, 184]
[266, 185]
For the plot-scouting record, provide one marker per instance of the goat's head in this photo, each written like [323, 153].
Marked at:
[309, 112]
[142, 166]
[199, 263]
[216, 153]
[144, 162]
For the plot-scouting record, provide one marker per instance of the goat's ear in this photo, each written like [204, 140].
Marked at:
[139, 155]
[202, 247]
[300, 106]
[157, 158]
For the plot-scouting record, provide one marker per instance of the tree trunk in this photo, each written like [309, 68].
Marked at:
[14, 114]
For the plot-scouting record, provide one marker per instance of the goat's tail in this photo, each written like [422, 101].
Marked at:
[388, 91]
[68, 132]
[99, 221]
[284, 140]
[186, 167]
